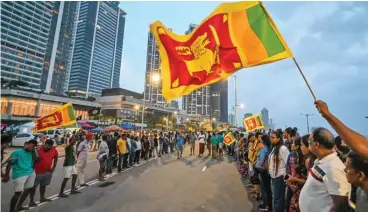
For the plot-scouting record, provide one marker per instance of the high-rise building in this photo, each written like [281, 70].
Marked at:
[25, 29]
[219, 100]
[58, 47]
[198, 102]
[265, 118]
[97, 48]
[232, 119]
[153, 86]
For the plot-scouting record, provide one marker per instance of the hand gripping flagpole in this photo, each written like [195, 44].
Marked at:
[305, 79]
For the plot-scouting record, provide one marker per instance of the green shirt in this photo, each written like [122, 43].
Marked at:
[69, 156]
[22, 163]
[214, 140]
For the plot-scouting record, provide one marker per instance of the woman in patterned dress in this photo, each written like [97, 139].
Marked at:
[298, 167]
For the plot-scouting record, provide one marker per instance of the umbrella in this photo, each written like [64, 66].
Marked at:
[112, 128]
[97, 129]
[84, 124]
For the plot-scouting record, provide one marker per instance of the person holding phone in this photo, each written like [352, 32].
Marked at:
[23, 175]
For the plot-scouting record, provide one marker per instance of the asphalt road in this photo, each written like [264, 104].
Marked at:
[165, 184]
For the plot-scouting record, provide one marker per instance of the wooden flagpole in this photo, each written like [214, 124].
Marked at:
[305, 79]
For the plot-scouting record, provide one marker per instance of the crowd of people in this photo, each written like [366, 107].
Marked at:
[313, 172]
[286, 171]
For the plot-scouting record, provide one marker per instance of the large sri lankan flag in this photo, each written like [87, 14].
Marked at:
[61, 116]
[252, 123]
[234, 36]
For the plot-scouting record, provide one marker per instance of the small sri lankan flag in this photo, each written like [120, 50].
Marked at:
[59, 117]
[229, 138]
[234, 36]
[253, 123]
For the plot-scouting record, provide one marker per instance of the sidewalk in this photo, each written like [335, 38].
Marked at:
[9, 150]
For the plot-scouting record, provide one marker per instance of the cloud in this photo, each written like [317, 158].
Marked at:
[330, 42]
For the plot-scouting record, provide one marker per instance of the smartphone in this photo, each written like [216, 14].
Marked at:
[286, 177]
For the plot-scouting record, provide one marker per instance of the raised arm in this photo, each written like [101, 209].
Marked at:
[356, 142]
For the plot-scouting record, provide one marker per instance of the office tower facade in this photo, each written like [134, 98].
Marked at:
[153, 85]
[219, 100]
[58, 47]
[97, 48]
[232, 119]
[25, 29]
[198, 102]
[265, 117]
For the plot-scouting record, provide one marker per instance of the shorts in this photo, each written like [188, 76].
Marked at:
[24, 182]
[43, 179]
[221, 145]
[69, 171]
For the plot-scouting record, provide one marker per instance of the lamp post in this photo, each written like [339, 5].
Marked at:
[154, 78]
[307, 117]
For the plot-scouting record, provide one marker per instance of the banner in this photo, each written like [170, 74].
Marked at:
[61, 116]
[234, 36]
[252, 123]
[229, 138]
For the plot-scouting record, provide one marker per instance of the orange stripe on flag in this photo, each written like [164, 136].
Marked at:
[247, 40]
[65, 113]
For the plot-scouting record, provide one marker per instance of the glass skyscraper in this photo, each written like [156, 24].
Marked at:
[58, 47]
[97, 48]
[25, 29]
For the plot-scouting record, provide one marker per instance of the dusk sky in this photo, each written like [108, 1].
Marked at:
[328, 39]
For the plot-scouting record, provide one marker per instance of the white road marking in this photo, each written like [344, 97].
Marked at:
[204, 168]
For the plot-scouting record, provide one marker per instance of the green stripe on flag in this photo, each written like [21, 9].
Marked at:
[260, 121]
[260, 24]
[71, 113]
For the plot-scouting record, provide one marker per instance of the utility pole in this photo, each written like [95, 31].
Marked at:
[307, 116]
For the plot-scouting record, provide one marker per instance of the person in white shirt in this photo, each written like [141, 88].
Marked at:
[202, 141]
[103, 152]
[326, 188]
[277, 169]
[138, 150]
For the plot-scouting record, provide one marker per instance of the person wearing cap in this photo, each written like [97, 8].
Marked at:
[82, 157]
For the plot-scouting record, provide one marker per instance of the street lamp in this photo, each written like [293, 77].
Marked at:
[155, 78]
[307, 116]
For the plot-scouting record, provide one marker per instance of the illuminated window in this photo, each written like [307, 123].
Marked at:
[20, 54]
[61, 67]
[52, 90]
[56, 12]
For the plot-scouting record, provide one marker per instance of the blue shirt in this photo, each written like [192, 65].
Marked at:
[22, 163]
[220, 139]
[180, 142]
[161, 140]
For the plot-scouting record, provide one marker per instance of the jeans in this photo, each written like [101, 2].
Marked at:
[278, 193]
[180, 151]
[266, 188]
[125, 160]
[131, 158]
[120, 161]
[109, 166]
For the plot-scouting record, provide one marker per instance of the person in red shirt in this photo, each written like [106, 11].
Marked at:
[44, 166]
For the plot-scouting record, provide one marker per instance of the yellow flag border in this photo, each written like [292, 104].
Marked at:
[252, 117]
[167, 91]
